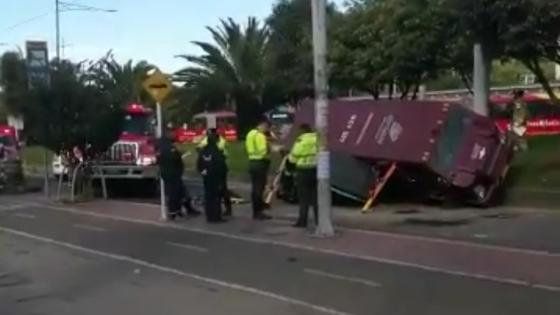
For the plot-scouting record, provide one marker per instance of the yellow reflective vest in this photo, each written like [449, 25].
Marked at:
[304, 151]
[221, 144]
[256, 145]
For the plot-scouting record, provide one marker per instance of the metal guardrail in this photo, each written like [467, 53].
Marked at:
[459, 92]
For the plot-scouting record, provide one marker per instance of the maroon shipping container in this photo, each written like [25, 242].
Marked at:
[439, 145]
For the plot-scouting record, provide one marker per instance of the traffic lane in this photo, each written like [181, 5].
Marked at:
[38, 279]
[191, 236]
[219, 263]
[510, 230]
[280, 269]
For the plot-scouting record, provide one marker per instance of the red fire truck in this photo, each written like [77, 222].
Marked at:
[133, 156]
[224, 121]
[544, 116]
[11, 170]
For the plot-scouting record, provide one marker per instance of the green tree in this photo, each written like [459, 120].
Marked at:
[73, 111]
[524, 30]
[384, 42]
[122, 81]
[13, 80]
[290, 47]
[232, 69]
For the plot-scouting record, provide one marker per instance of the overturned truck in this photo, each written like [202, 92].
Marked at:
[430, 150]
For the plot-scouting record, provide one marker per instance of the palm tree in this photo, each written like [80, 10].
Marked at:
[123, 81]
[232, 69]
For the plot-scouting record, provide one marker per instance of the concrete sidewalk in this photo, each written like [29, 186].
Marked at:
[511, 266]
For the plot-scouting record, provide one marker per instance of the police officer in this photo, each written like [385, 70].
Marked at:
[225, 194]
[171, 169]
[211, 164]
[304, 156]
[519, 120]
[258, 151]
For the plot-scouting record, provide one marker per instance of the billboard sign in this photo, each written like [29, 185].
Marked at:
[37, 63]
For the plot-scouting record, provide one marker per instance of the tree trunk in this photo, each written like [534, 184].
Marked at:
[416, 90]
[535, 67]
[467, 81]
[405, 90]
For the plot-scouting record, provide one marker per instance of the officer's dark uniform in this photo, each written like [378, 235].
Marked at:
[171, 170]
[212, 166]
[225, 194]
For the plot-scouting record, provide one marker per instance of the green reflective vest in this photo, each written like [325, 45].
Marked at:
[256, 145]
[304, 151]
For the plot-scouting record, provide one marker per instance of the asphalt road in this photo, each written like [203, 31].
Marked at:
[237, 273]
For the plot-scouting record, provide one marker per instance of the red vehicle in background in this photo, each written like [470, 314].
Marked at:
[224, 121]
[11, 170]
[133, 156]
[544, 116]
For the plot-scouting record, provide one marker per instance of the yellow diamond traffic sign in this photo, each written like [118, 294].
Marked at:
[158, 86]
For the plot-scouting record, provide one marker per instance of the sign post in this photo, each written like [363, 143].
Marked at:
[38, 74]
[159, 87]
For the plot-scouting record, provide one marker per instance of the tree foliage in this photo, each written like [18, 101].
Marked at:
[13, 79]
[231, 72]
[73, 111]
[122, 81]
[381, 42]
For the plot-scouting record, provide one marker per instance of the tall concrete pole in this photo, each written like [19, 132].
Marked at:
[57, 27]
[325, 227]
[481, 80]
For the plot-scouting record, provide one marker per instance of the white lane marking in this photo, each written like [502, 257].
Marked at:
[188, 247]
[142, 263]
[16, 206]
[399, 263]
[25, 216]
[427, 239]
[364, 129]
[342, 278]
[89, 228]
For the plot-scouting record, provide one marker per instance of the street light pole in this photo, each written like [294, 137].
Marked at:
[57, 18]
[325, 227]
[481, 79]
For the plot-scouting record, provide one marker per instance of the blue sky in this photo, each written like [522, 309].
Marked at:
[141, 29]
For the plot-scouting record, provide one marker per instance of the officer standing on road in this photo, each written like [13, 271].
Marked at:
[225, 194]
[171, 169]
[304, 156]
[211, 164]
[258, 150]
[519, 120]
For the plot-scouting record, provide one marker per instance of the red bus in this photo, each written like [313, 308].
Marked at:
[224, 121]
[544, 116]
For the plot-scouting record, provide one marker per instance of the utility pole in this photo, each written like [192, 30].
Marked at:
[325, 227]
[57, 18]
[481, 80]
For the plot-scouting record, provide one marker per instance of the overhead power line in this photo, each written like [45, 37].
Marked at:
[26, 21]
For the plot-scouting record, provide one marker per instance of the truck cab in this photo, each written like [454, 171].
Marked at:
[133, 156]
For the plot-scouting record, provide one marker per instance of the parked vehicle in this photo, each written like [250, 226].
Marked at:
[224, 121]
[11, 168]
[544, 116]
[437, 149]
[133, 156]
[281, 119]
